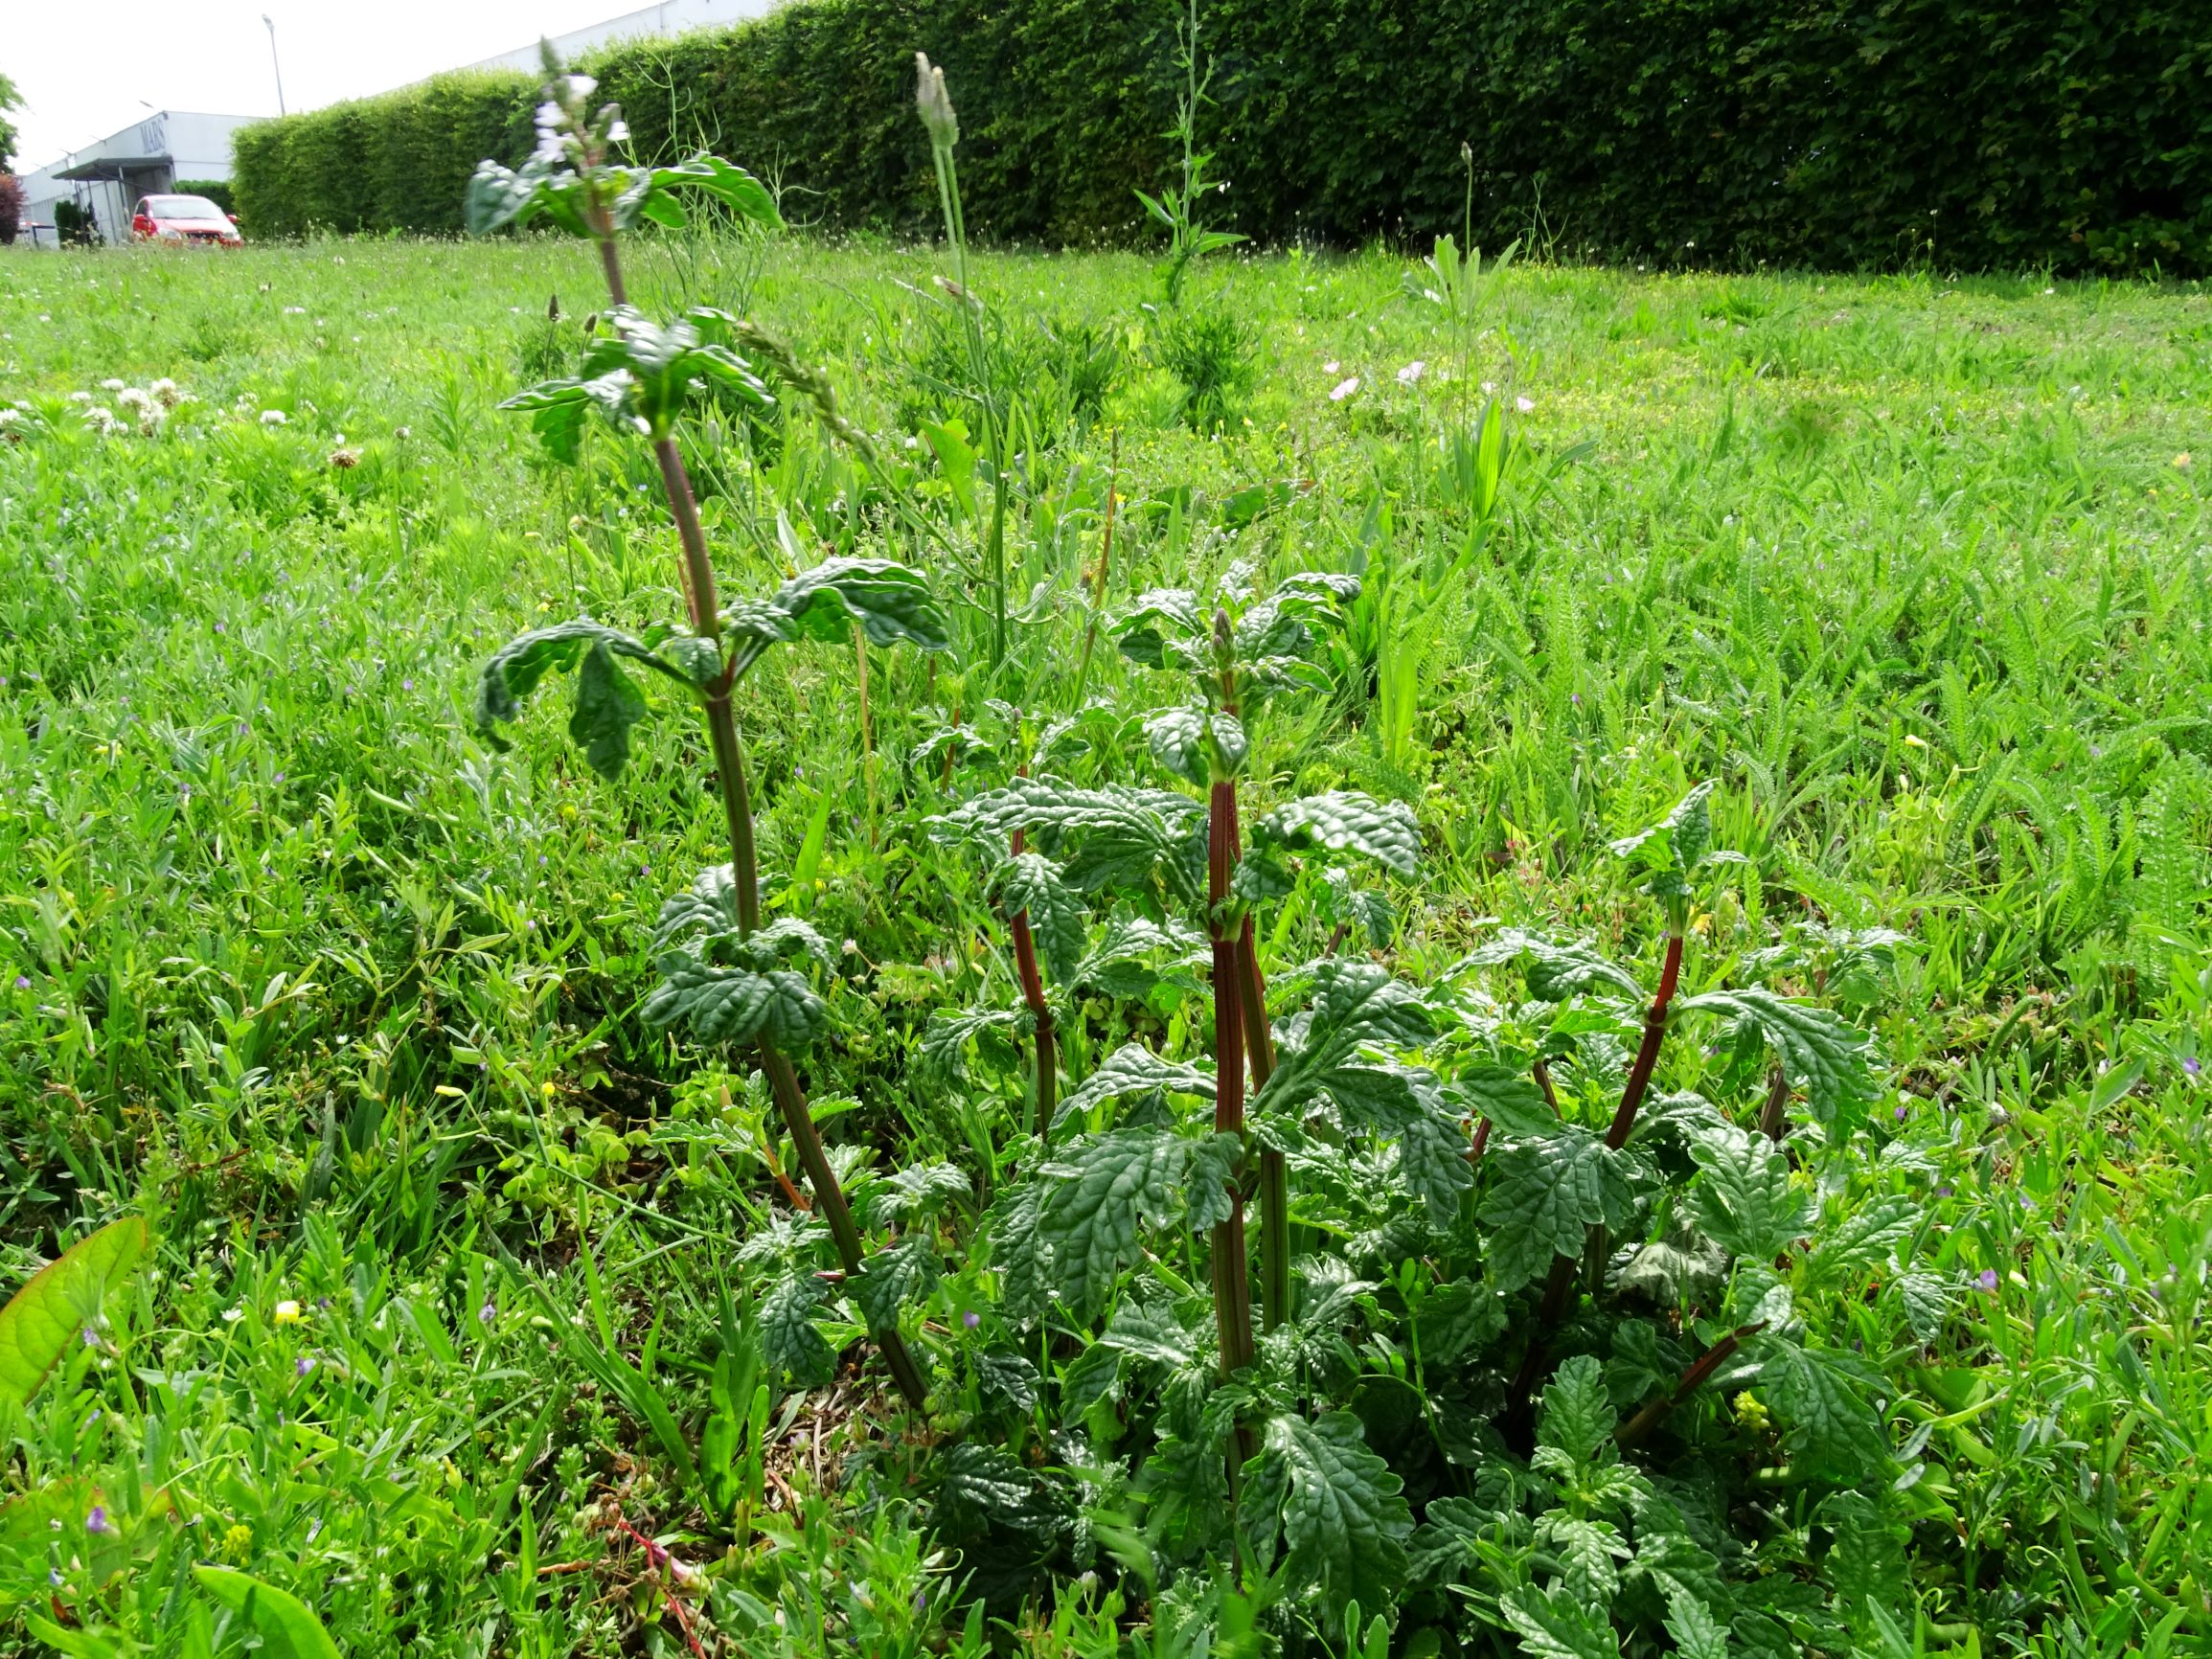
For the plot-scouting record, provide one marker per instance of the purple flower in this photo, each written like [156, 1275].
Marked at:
[485, 1315]
[303, 1364]
[2192, 1065]
[1988, 1279]
[1576, 698]
[280, 777]
[971, 1318]
[1901, 1113]
[22, 981]
[1943, 1192]
[54, 1574]
[406, 685]
[98, 1522]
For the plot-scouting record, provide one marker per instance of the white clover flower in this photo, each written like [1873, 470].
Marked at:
[133, 398]
[1343, 389]
[274, 417]
[80, 397]
[243, 402]
[1412, 373]
[167, 391]
[295, 310]
[111, 385]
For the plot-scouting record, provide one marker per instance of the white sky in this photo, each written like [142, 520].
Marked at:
[87, 68]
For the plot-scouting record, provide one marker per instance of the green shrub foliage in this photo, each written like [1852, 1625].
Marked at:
[1966, 133]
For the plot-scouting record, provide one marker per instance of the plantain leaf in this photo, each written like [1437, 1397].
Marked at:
[62, 1300]
[1510, 1101]
[286, 1626]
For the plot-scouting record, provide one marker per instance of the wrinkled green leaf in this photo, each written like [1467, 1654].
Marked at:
[1818, 1051]
[789, 1343]
[1345, 821]
[1558, 1626]
[1544, 1196]
[1109, 1188]
[1030, 883]
[1743, 1199]
[891, 1278]
[1342, 1515]
[735, 1005]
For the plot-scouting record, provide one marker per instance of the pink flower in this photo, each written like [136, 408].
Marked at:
[1343, 389]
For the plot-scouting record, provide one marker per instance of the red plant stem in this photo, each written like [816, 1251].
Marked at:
[1041, 1012]
[1232, 1276]
[1774, 1117]
[1558, 1288]
[1647, 1050]
[1691, 1380]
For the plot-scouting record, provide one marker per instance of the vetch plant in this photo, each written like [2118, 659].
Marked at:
[726, 979]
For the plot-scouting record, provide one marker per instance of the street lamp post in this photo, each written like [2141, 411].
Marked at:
[273, 63]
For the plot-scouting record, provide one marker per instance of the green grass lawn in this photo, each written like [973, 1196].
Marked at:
[346, 1002]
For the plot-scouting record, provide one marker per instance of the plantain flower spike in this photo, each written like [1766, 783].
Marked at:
[934, 102]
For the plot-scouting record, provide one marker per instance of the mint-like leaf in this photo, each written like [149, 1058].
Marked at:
[1108, 1189]
[1818, 1051]
[1345, 821]
[1545, 1195]
[1342, 1515]
[1743, 1200]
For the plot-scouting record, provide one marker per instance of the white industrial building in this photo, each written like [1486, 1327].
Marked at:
[145, 158]
[148, 158]
[647, 22]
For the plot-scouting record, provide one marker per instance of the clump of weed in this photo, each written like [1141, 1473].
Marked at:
[1214, 355]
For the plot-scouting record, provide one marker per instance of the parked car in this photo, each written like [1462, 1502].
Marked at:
[183, 219]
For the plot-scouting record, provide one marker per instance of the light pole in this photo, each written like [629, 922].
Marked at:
[273, 63]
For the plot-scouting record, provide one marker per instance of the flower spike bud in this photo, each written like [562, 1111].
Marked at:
[934, 102]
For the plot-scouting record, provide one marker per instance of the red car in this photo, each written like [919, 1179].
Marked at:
[183, 219]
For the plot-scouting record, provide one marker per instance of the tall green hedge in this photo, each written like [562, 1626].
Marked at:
[2076, 133]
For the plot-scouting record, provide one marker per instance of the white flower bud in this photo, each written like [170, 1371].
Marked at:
[934, 102]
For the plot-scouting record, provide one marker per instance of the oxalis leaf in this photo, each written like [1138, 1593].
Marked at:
[1108, 1189]
[286, 1626]
[1342, 1515]
[1545, 1196]
[62, 1300]
[1345, 821]
[1819, 1052]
